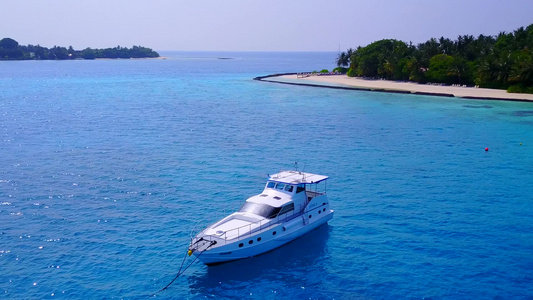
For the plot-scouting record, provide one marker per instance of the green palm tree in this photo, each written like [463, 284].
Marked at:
[343, 60]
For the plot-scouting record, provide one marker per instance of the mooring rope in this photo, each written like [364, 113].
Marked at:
[180, 271]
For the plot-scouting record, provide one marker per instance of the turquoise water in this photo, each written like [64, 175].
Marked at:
[106, 166]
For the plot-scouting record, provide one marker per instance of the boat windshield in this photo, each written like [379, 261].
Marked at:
[263, 210]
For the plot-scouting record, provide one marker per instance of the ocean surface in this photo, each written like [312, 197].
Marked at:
[106, 166]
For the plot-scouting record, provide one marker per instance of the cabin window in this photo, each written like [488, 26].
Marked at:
[287, 208]
[289, 188]
[280, 186]
[300, 188]
[263, 210]
[271, 184]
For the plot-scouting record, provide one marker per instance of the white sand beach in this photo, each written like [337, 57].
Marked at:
[457, 91]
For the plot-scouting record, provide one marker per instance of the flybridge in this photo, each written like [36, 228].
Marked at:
[296, 177]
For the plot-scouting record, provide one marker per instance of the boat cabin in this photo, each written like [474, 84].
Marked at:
[287, 192]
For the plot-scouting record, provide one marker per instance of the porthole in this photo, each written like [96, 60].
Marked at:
[323, 209]
[240, 245]
[273, 233]
[310, 216]
[319, 211]
[250, 242]
[284, 228]
[259, 239]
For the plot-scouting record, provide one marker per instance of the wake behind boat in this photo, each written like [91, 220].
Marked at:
[291, 204]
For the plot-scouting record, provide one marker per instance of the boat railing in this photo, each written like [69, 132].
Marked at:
[312, 194]
[261, 225]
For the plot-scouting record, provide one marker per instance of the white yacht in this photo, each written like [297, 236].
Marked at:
[292, 204]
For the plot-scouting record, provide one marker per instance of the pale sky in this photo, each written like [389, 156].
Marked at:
[253, 25]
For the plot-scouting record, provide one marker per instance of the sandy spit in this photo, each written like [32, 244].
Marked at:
[404, 87]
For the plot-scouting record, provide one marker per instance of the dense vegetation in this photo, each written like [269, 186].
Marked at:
[11, 50]
[504, 61]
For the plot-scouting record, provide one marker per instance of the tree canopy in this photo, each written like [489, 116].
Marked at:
[504, 61]
[11, 50]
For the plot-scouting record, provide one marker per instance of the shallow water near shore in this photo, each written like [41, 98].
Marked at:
[106, 166]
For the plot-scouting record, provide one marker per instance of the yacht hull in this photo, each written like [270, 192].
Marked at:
[258, 243]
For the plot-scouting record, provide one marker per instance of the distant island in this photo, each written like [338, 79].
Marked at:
[504, 61]
[11, 50]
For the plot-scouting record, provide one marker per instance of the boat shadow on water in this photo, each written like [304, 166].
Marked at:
[308, 250]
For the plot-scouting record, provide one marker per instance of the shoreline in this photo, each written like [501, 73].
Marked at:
[386, 86]
[77, 59]
[119, 58]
